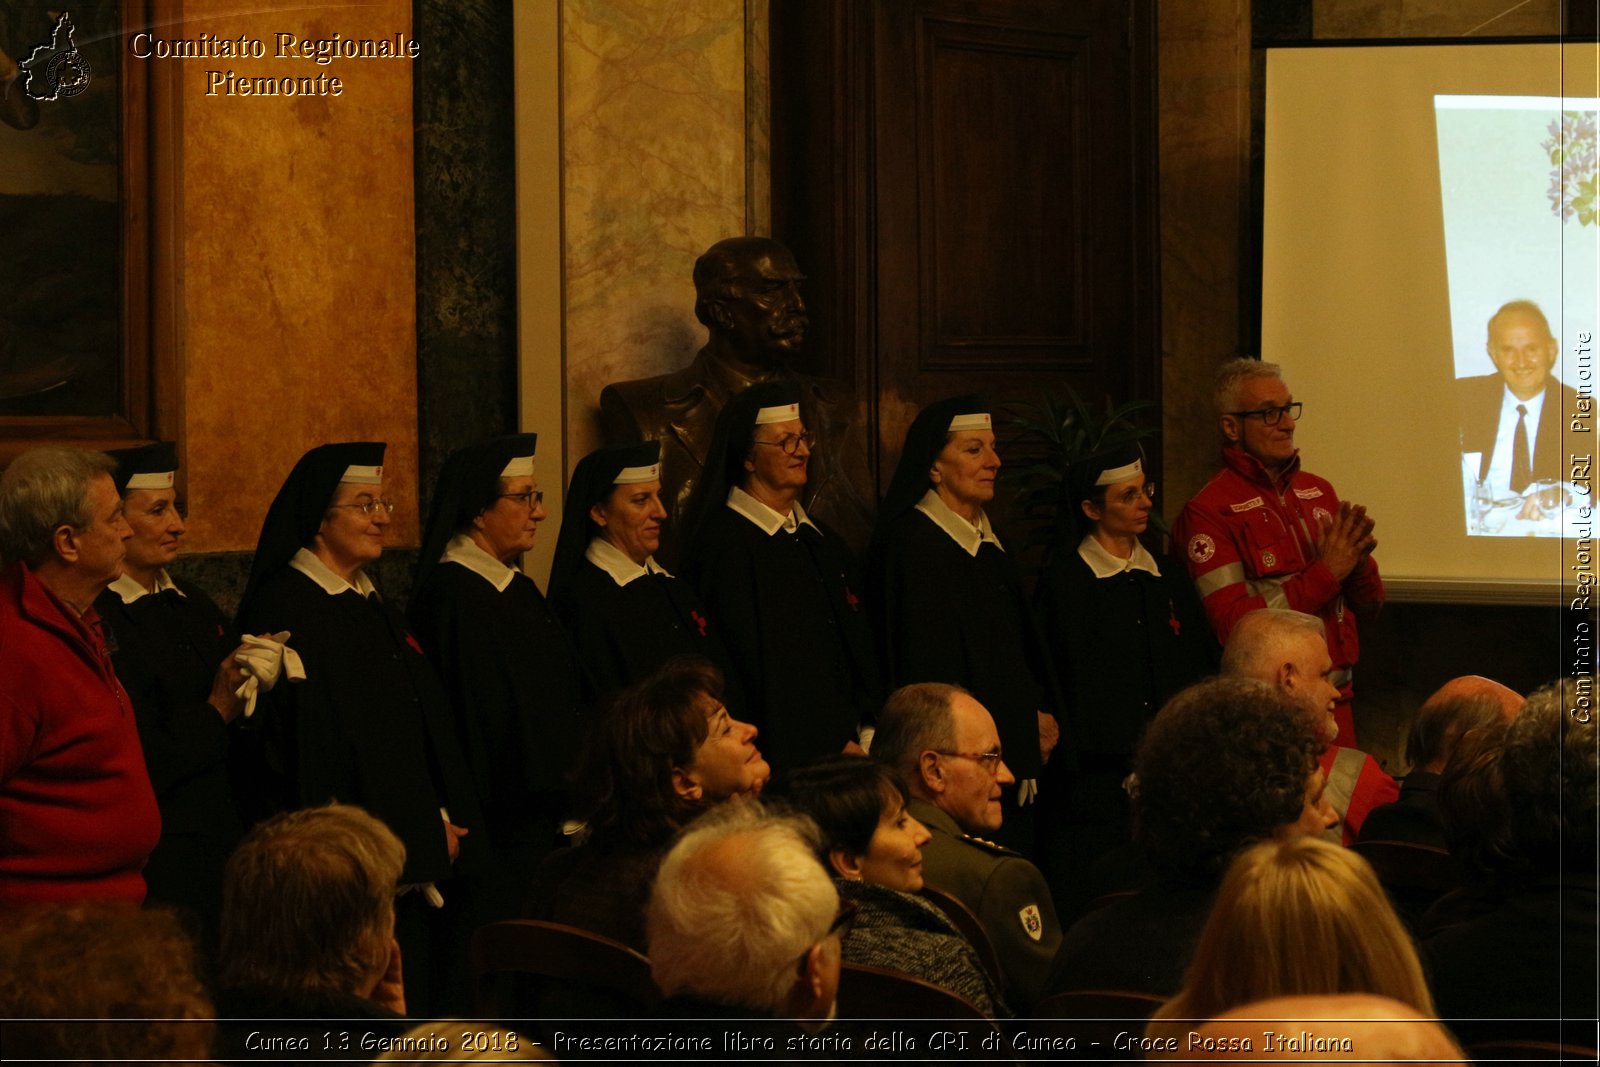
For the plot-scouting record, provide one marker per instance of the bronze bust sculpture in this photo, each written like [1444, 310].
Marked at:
[747, 295]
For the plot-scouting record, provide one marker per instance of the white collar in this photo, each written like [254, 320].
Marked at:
[968, 535]
[766, 518]
[128, 589]
[617, 563]
[464, 550]
[306, 562]
[1105, 565]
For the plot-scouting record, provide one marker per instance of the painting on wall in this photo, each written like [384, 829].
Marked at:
[75, 345]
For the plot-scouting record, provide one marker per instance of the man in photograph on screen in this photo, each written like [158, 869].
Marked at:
[1263, 533]
[1512, 419]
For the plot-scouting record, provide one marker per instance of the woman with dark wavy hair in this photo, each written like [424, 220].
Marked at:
[663, 752]
[873, 848]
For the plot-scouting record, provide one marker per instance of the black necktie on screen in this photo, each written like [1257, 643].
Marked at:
[1521, 467]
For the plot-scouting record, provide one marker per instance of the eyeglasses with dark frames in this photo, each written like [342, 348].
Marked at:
[790, 442]
[989, 761]
[1272, 416]
[530, 499]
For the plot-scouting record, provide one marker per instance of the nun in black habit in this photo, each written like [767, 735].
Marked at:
[506, 662]
[173, 650]
[777, 584]
[370, 725]
[1127, 634]
[625, 612]
[948, 599]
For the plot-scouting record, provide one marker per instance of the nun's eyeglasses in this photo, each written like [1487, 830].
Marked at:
[531, 499]
[1129, 497]
[367, 507]
[791, 442]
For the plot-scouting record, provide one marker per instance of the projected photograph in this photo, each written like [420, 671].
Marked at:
[1518, 187]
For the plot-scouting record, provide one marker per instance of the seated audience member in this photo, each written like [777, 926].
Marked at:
[1296, 917]
[1378, 1030]
[308, 914]
[664, 752]
[1288, 649]
[947, 750]
[1226, 763]
[744, 922]
[626, 614]
[504, 659]
[116, 984]
[174, 650]
[78, 818]
[1520, 807]
[873, 847]
[1460, 705]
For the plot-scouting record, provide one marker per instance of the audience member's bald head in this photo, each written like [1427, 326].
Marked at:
[1469, 702]
[1380, 1030]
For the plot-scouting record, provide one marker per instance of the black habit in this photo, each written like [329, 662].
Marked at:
[166, 648]
[1123, 646]
[949, 616]
[624, 632]
[370, 725]
[794, 629]
[514, 685]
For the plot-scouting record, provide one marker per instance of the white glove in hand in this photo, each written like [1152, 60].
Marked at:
[264, 659]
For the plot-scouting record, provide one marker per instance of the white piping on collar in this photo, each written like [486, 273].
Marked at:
[769, 521]
[970, 537]
[128, 589]
[306, 562]
[618, 564]
[1105, 565]
[463, 550]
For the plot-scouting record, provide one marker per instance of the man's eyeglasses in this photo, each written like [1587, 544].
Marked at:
[989, 761]
[791, 442]
[367, 507]
[843, 920]
[531, 499]
[1271, 416]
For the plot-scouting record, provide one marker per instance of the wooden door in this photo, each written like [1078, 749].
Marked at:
[970, 185]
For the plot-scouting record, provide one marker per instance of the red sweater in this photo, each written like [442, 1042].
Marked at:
[77, 815]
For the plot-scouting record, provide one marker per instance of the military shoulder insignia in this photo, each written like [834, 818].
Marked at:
[1201, 548]
[1032, 921]
[991, 846]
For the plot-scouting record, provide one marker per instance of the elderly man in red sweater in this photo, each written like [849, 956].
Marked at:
[77, 815]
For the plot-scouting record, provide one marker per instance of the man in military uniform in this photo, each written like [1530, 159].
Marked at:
[747, 295]
[945, 745]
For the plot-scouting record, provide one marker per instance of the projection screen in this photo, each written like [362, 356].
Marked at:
[1412, 194]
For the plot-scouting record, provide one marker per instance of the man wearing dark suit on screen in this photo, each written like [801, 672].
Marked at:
[1515, 416]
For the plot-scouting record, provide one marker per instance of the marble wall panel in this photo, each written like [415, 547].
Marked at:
[653, 172]
[298, 250]
[1204, 93]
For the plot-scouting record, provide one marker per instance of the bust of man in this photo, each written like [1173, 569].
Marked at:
[747, 295]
